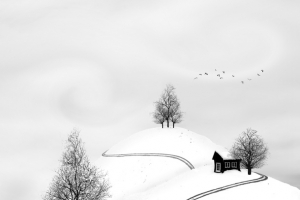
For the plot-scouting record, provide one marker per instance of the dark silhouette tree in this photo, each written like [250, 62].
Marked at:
[167, 108]
[251, 149]
[159, 115]
[77, 179]
[176, 114]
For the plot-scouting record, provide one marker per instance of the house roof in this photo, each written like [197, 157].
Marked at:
[225, 155]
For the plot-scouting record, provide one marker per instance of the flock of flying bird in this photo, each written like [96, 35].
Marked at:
[219, 75]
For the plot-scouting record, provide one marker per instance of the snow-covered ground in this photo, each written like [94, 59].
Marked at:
[155, 178]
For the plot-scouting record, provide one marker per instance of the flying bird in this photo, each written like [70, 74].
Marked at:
[242, 82]
[224, 72]
[215, 69]
[218, 75]
[258, 75]
[249, 79]
[206, 73]
[262, 70]
[195, 77]
[200, 74]
[221, 77]
[232, 76]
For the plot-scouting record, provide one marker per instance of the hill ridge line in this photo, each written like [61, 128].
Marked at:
[185, 161]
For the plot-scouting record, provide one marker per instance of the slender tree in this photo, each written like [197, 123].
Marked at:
[176, 114]
[251, 149]
[77, 179]
[159, 115]
[167, 105]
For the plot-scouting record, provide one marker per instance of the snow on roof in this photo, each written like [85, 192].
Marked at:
[225, 155]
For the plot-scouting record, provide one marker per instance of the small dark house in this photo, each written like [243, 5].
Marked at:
[223, 162]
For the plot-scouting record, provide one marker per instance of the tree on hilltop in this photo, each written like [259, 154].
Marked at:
[167, 108]
[176, 114]
[159, 115]
[77, 179]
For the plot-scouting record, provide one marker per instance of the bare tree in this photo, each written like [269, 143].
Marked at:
[176, 114]
[251, 149]
[77, 179]
[159, 115]
[167, 105]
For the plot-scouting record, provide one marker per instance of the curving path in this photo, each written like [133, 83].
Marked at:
[185, 161]
[203, 194]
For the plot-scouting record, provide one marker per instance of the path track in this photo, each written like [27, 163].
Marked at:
[185, 161]
[203, 194]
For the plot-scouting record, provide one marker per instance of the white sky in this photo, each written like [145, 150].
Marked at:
[98, 66]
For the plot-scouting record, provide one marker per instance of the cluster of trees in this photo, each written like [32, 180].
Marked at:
[167, 108]
[251, 149]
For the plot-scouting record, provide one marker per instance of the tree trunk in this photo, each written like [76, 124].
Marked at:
[173, 124]
[249, 171]
[162, 125]
[168, 123]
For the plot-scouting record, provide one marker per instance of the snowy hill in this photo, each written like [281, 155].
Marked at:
[137, 171]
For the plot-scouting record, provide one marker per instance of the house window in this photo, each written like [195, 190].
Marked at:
[227, 164]
[233, 165]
